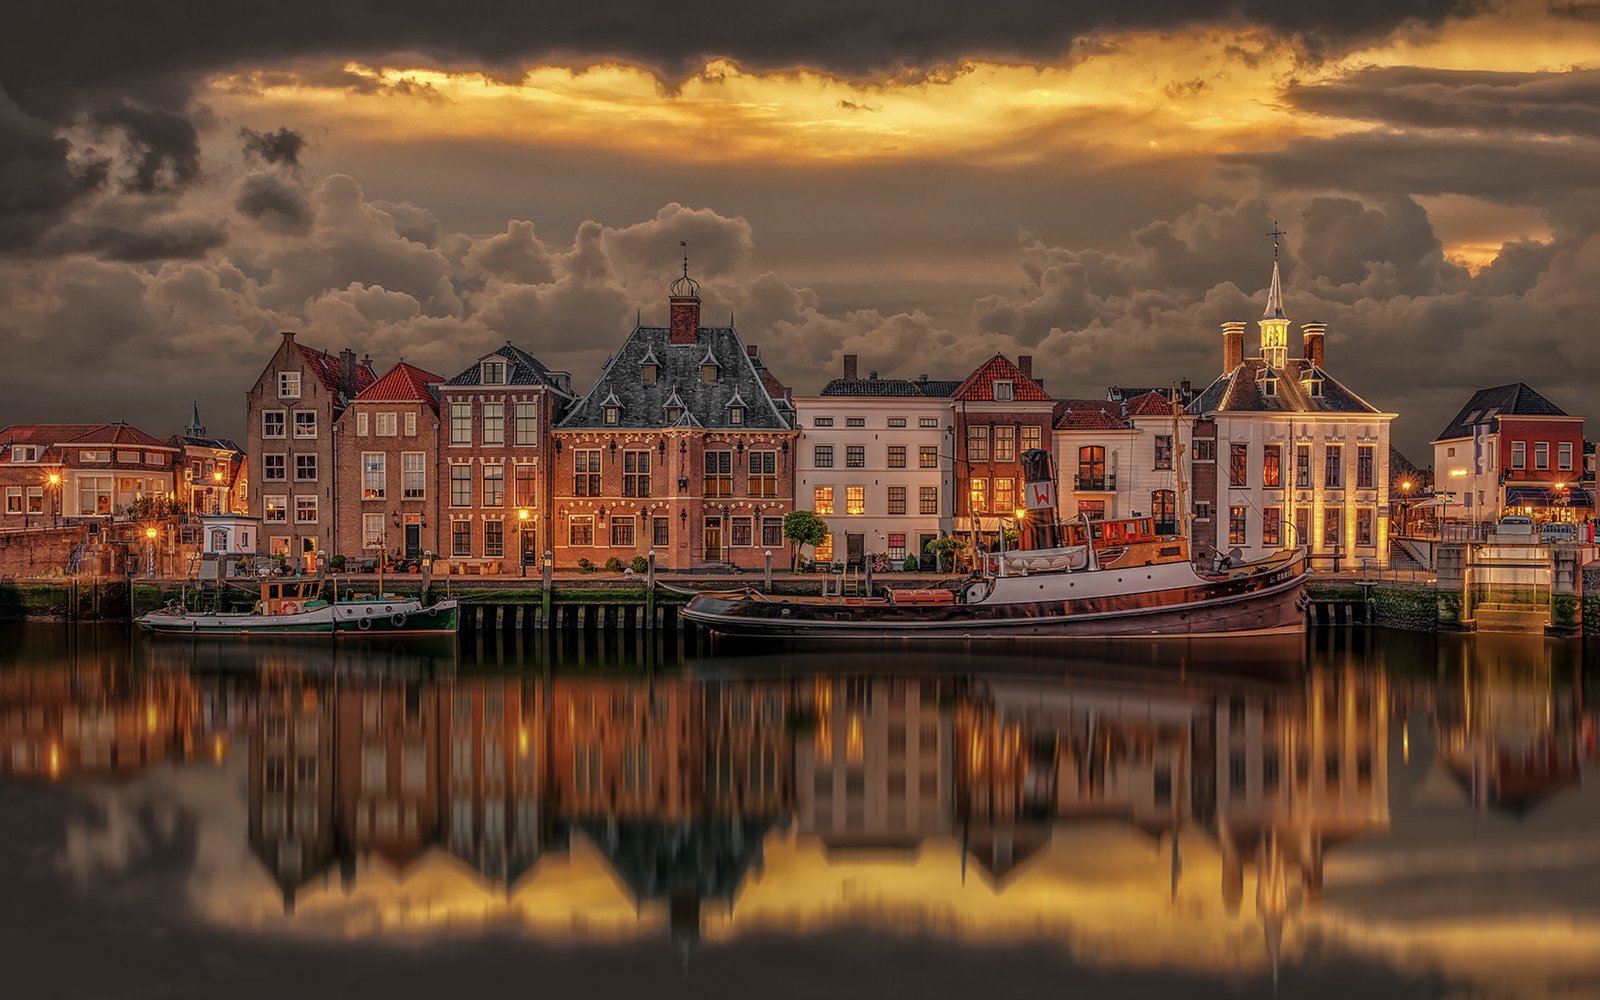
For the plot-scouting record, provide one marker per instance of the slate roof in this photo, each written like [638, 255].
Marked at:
[1487, 404]
[523, 369]
[923, 387]
[678, 373]
[979, 386]
[1088, 415]
[325, 367]
[404, 383]
[1240, 391]
[222, 444]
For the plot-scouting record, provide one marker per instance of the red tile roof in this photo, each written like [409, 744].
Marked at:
[1151, 404]
[1088, 415]
[326, 367]
[81, 434]
[403, 383]
[979, 386]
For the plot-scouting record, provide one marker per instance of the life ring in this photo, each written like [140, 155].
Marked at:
[288, 608]
[366, 623]
[398, 621]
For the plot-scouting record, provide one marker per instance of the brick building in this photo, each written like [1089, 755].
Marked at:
[213, 471]
[53, 472]
[683, 446]
[1512, 450]
[1000, 412]
[494, 459]
[387, 461]
[289, 415]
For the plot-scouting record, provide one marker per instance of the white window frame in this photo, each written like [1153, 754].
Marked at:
[371, 531]
[283, 424]
[385, 424]
[411, 424]
[282, 502]
[362, 423]
[374, 466]
[310, 503]
[288, 385]
[300, 433]
[407, 458]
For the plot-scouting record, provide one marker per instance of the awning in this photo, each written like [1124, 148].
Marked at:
[1431, 502]
[1544, 496]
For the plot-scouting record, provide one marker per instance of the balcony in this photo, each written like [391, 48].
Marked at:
[1095, 484]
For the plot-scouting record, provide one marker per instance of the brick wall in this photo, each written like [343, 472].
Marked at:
[393, 506]
[1203, 476]
[39, 552]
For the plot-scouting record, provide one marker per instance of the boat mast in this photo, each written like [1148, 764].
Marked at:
[1177, 468]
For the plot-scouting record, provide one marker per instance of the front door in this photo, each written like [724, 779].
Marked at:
[530, 544]
[308, 555]
[413, 541]
[713, 539]
[924, 557]
[855, 547]
[1302, 528]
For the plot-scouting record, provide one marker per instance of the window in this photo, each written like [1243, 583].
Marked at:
[305, 510]
[648, 372]
[822, 500]
[14, 500]
[980, 495]
[855, 421]
[494, 423]
[524, 485]
[305, 423]
[1002, 496]
[494, 485]
[385, 425]
[822, 422]
[927, 421]
[278, 546]
[305, 468]
[1005, 443]
[461, 486]
[373, 475]
[897, 499]
[1163, 451]
[362, 419]
[622, 532]
[612, 415]
[1564, 455]
[1519, 454]
[1302, 466]
[94, 494]
[719, 473]
[580, 529]
[461, 538]
[1094, 510]
[1003, 390]
[708, 372]
[897, 545]
[928, 500]
[1302, 526]
[411, 425]
[586, 472]
[855, 456]
[1091, 468]
[25, 453]
[978, 443]
[743, 531]
[736, 416]
[1364, 468]
[36, 499]
[1238, 465]
[1272, 466]
[822, 456]
[1032, 435]
[494, 373]
[1237, 526]
[460, 423]
[772, 531]
[1330, 527]
[371, 531]
[272, 423]
[674, 414]
[128, 457]
[1541, 455]
[413, 476]
[1272, 526]
[494, 539]
[274, 468]
[897, 422]
[897, 456]
[1333, 472]
[928, 456]
[635, 474]
[855, 499]
[288, 385]
[277, 510]
[659, 532]
[1365, 519]
[527, 425]
[94, 457]
[1205, 450]
[1164, 511]
[764, 474]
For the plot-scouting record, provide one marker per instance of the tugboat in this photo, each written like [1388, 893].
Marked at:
[1081, 579]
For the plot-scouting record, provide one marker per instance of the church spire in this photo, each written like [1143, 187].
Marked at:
[1274, 324]
[1275, 292]
[195, 428]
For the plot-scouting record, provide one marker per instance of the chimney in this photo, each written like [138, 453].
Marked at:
[1232, 346]
[873, 375]
[1025, 365]
[288, 338]
[347, 373]
[1313, 335]
[683, 308]
[849, 367]
[753, 351]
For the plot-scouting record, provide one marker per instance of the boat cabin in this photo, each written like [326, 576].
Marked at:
[290, 597]
[1108, 534]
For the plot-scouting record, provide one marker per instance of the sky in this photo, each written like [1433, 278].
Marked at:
[921, 184]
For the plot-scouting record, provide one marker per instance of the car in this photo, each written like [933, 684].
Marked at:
[1514, 524]
[1558, 531]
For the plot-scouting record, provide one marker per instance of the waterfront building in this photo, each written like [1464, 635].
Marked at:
[289, 418]
[495, 461]
[215, 479]
[1000, 412]
[1511, 450]
[875, 462]
[1094, 444]
[387, 461]
[51, 472]
[1285, 455]
[292, 817]
[388, 770]
[683, 447]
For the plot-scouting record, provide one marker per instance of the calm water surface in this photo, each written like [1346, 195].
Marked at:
[1379, 814]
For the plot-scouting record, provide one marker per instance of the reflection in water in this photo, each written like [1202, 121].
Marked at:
[615, 789]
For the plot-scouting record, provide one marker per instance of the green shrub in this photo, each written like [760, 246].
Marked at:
[613, 565]
[585, 566]
[911, 564]
[640, 564]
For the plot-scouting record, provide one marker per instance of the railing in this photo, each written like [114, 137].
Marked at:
[1082, 482]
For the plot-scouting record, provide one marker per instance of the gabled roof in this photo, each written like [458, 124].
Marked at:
[1516, 399]
[679, 374]
[979, 386]
[220, 444]
[41, 434]
[404, 383]
[1150, 404]
[1088, 415]
[522, 369]
[325, 367]
[898, 387]
[81, 435]
[1240, 391]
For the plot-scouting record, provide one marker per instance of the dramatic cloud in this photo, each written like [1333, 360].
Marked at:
[282, 146]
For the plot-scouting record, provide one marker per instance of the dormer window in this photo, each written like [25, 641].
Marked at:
[1003, 390]
[1269, 386]
[647, 372]
[674, 414]
[494, 373]
[709, 372]
[1314, 388]
[736, 415]
[613, 415]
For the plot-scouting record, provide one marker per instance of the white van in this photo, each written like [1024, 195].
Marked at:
[1558, 531]
[1515, 526]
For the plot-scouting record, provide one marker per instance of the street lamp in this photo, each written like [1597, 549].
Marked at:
[150, 536]
[54, 479]
[522, 544]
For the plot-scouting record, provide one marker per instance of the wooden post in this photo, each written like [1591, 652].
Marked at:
[544, 597]
[866, 571]
[650, 591]
[767, 584]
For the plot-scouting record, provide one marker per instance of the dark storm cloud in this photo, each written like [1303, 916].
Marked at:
[1566, 103]
[39, 178]
[163, 145]
[282, 146]
[273, 201]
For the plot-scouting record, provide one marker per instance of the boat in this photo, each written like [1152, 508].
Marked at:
[298, 607]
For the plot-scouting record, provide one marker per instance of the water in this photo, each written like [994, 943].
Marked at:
[1382, 814]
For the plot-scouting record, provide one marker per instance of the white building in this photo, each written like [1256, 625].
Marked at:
[1297, 458]
[1115, 457]
[875, 463]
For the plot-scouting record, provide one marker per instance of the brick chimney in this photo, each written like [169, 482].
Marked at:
[347, 373]
[1313, 335]
[1232, 346]
[753, 351]
[849, 367]
[1025, 365]
[683, 309]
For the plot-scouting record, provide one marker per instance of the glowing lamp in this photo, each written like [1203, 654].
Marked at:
[150, 533]
[522, 515]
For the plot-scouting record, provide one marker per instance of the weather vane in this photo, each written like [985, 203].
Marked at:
[685, 245]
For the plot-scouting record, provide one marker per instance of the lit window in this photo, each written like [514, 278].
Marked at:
[855, 499]
[372, 475]
[822, 500]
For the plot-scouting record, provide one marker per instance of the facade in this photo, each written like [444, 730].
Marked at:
[213, 471]
[54, 472]
[684, 447]
[875, 463]
[1511, 450]
[1298, 459]
[290, 413]
[1000, 412]
[494, 459]
[387, 460]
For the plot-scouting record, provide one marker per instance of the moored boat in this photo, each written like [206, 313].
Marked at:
[298, 607]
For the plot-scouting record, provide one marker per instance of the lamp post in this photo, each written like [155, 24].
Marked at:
[1405, 497]
[522, 546]
[150, 536]
[54, 479]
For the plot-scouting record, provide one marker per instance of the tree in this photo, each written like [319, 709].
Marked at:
[944, 550]
[803, 527]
